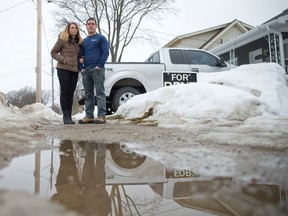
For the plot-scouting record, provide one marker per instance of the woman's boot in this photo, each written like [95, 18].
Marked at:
[70, 116]
[67, 117]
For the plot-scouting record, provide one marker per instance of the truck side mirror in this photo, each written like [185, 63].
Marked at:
[222, 62]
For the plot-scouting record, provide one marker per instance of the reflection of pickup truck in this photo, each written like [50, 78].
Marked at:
[128, 170]
[167, 66]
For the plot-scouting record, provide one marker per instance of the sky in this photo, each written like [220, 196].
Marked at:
[19, 21]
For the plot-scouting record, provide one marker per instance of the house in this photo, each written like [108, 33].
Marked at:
[211, 37]
[265, 43]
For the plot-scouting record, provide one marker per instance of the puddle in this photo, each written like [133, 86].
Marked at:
[98, 179]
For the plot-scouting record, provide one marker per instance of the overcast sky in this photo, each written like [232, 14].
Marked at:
[19, 23]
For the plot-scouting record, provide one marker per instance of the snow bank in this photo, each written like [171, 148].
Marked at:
[239, 94]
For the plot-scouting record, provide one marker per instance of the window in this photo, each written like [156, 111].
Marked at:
[155, 58]
[256, 56]
[177, 57]
[201, 58]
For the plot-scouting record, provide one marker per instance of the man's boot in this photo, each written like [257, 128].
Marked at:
[67, 117]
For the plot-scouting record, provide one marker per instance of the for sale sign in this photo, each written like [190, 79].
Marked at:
[175, 78]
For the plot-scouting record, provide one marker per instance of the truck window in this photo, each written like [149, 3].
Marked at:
[201, 58]
[177, 57]
[155, 58]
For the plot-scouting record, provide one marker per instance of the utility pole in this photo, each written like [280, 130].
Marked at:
[52, 74]
[37, 172]
[39, 52]
[38, 91]
[38, 70]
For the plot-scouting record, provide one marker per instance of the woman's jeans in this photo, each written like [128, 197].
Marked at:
[94, 78]
[68, 81]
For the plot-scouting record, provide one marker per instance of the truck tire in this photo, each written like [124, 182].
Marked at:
[122, 95]
[125, 159]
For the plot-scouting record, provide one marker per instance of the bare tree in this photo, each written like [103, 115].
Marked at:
[118, 20]
[26, 95]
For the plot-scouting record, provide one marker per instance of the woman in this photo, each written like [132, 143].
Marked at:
[66, 51]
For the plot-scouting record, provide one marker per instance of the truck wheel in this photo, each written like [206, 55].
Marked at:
[125, 158]
[122, 95]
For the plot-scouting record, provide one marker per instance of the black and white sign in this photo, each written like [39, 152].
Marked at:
[179, 174]
[175, 78]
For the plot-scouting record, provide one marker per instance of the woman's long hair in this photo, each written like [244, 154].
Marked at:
[65, 36]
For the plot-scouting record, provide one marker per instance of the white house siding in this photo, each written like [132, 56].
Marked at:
[225, 36]
[195, 41]
[212, 37]
[233, 32]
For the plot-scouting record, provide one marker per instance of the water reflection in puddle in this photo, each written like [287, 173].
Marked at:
[98, 179]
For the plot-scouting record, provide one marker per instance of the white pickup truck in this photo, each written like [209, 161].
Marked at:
[167, 66]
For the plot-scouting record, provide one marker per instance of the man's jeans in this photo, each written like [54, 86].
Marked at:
[94, 78]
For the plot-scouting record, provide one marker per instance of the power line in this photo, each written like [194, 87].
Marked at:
[45, 35]
[9, 8]
[24, 70]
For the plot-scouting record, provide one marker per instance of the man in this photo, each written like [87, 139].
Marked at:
[94, 53]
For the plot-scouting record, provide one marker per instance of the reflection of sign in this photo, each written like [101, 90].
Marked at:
[174, 78]
[179, 174]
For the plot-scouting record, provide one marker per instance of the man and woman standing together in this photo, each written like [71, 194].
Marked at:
[71, 51]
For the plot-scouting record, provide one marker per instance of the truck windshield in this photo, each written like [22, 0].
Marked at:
[201, 58]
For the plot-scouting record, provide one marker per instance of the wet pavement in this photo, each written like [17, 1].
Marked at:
[110, 179]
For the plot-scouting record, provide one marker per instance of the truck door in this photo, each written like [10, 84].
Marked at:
[178, 61]
[177, 69]
[201, 61]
